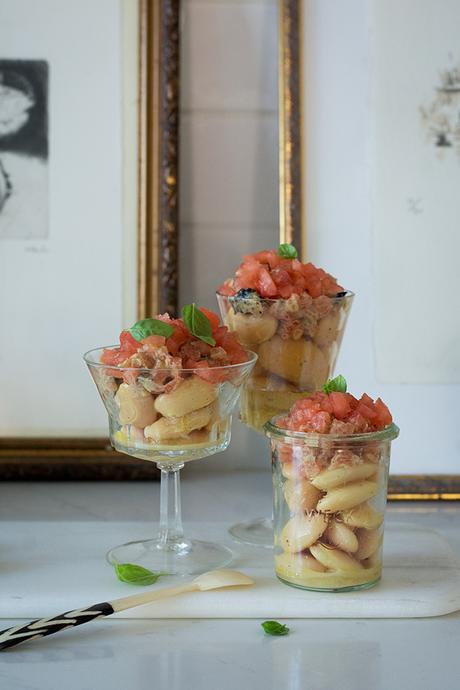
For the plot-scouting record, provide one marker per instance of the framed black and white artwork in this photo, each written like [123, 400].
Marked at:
[24, 190]
[88, 204]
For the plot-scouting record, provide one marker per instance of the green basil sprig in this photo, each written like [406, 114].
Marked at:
[338, 385]
[145, 327]
[275, 628]
[136, 574]
[287, 251]
[198, 323]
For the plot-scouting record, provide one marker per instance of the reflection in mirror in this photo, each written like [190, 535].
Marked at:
[229, 157]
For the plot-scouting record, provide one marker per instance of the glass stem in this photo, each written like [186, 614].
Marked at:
[171, 533]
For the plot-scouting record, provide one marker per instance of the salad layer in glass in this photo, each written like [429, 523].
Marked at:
[293, 315]
[171, 384]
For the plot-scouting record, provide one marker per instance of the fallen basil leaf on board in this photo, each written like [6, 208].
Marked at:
[198, 323]
[275, 628]
[136, 574]
[287, 251]
[337, 385]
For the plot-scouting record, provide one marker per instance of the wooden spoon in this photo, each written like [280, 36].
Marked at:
[215, 579]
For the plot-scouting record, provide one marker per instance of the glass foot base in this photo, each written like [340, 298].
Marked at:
[189, 557]
[257, 532]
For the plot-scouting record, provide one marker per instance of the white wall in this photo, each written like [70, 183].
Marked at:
[342, 229]
[229, 157]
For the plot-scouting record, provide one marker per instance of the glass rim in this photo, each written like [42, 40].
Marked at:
[224, 367]
[272, 430]
[348, 295]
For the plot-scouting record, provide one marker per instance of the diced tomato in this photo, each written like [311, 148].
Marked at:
[286, 291]
[173, 346]
[338, 413]
[178, 338]
[226, 289]
[265, 285]
[238, 357]
[154, 341]
[365, 407]
[247, 276]
[314, 287]
[330, 286]
[210, 374]
[110, 356]
[341, 404]
[227, 341]
[117, 355]
[384, 417]
[267, 256]
[213, 318]
[219, 334]
[361, 424]
[281, 277]
[128, 344]
[288, 276]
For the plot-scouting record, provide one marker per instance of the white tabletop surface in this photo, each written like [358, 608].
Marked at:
[224, 654]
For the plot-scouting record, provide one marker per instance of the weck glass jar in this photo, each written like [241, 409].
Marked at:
[329, 501]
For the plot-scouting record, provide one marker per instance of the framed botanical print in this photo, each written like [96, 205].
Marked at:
[369, 112]
[88, 215]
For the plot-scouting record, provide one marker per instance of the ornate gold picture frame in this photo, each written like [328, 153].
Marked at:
[291, 178]
[157, 270]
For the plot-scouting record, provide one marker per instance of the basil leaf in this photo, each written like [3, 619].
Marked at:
[275, 628]
[198, 323]
[338, 385]
[136, 574]
[287, 251]
[145, 327]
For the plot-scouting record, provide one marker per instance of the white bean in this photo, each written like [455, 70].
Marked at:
[299, 361]
[301, 531]
[167, 428]
[289, 470]
[342, 536]
[253, 329]
[298, 564]
[136, 405]
[373, 561]
[348, 496]
[369, 541]
[334, 559]
[331, 478]
[191, 394]
[300, 495]
[362, 515]
[327, 329]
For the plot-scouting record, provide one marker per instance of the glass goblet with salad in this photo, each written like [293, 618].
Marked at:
[293, 315]
[169, 388]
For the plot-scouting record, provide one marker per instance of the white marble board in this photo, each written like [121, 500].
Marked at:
[48, 567]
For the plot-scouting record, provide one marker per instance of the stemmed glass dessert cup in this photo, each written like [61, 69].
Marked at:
[329, 497]
[297, 341]
[191, 421]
